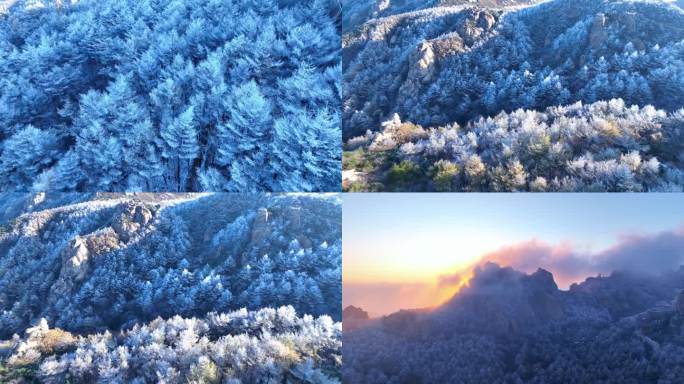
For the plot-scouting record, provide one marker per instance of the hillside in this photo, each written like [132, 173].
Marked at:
[95, 268]
[509, 327]
[452, 66]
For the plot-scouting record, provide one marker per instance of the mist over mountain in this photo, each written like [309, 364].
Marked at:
[510, 327]
[470, 71]
[110, 278]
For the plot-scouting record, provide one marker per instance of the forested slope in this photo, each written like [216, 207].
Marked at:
[603, 146]
[355, 12]
[454, 65]
[242, 346]
[509, 327]
[99, 267]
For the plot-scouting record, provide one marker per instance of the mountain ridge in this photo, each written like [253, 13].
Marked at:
[448, 70]
[525, 330]
[102, 264]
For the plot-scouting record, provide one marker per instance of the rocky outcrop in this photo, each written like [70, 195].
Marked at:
[542, 280]
[260, 226]
[354, 313]
[423, 61]
[505, 302]
[78, 256]
[80, 253]
[478, 23]
[353, 318]
[75, 259]
[623, 24]
[598, 33]
[134, 216]
[486, 20]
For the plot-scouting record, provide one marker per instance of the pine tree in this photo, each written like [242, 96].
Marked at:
[25, 155]
[298, 143]
[180, 147]
[101, 157]
[243, 137]
[67, 175]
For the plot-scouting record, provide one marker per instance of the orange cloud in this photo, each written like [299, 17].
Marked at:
[384, 298]
[561, 259]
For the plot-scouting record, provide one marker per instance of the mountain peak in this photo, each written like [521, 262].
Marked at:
[543, 280]
[353, 317]
[354, 313]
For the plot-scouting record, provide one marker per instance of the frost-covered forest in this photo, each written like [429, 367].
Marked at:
[170, 95]
[507, 327]
[355, 12]
[267, 345]
[604, 146]
[562, 95]
[170, 288]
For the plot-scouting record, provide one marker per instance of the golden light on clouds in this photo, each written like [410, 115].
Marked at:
[420, 258]
[382, 298]
[412, 250]
[408, 272]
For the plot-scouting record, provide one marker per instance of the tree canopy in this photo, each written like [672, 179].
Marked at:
[173, 95]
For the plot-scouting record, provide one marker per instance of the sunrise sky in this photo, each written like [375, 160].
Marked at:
[408, 250]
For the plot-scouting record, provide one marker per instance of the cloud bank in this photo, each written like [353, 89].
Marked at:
[649, 254]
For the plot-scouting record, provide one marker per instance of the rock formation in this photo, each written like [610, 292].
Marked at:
[260, 226]
[598, 34]
[354, 313]
[134, 216]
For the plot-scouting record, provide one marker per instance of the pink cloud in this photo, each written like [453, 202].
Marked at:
[638, 253]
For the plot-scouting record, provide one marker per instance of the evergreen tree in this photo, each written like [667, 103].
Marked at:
[25, 155]
[180, 146]
[241, 138]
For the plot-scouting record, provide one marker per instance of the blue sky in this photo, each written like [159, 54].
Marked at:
[414, 238]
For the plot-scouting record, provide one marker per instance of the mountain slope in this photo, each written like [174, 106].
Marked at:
[356, 12]
[603, 146]
[251, 346]
[509, 327]
[556, 52]
[454, 65]
[111, 263]
[145, 287]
